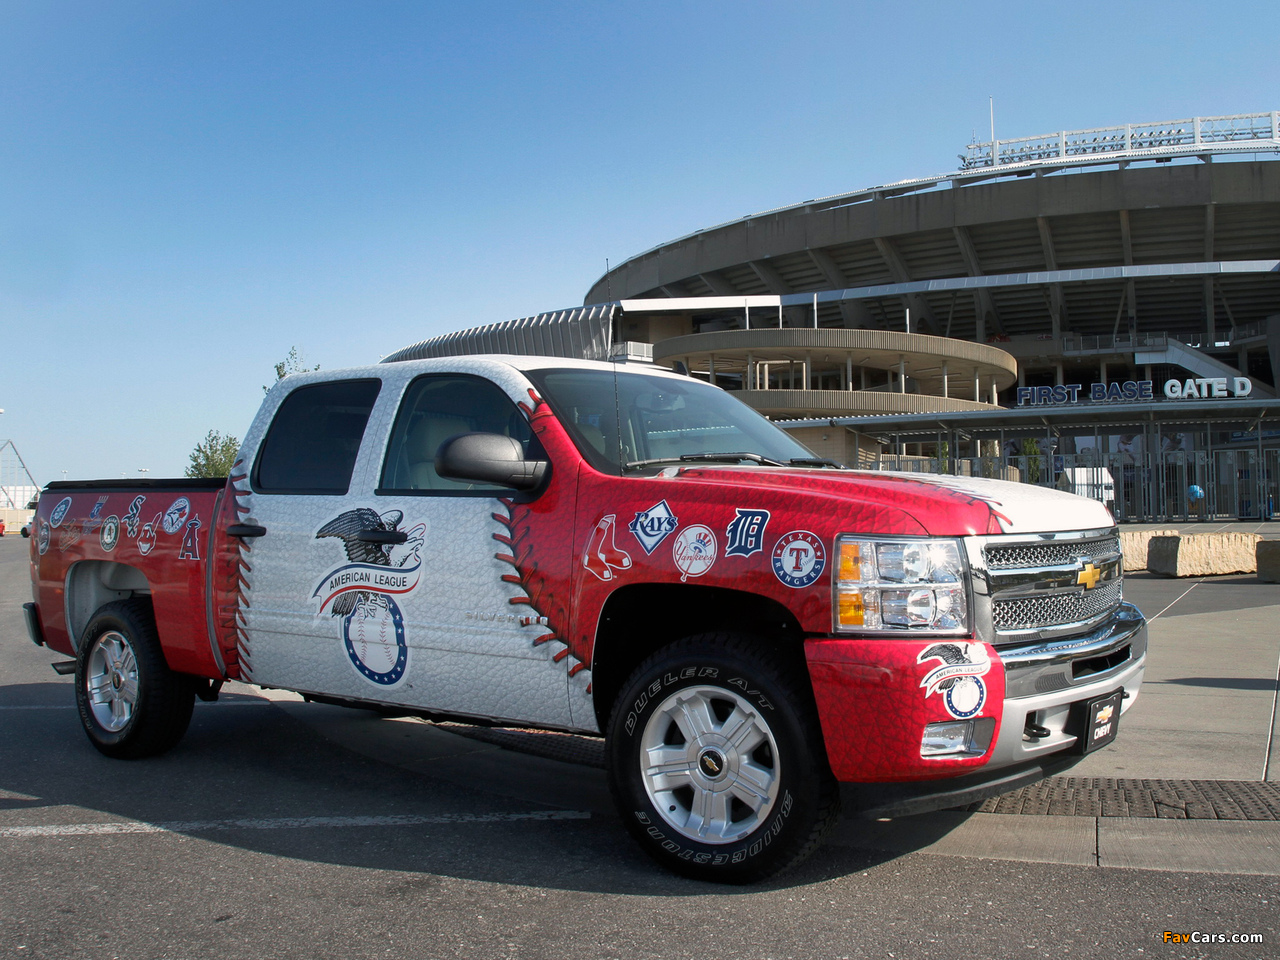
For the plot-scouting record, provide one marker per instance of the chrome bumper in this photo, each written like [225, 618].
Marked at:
[1043, 680]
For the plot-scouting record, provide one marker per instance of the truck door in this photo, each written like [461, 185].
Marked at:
[378, 580]
[471, 649]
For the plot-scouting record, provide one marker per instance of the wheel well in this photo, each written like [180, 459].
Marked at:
[628, 631]
[93, 583]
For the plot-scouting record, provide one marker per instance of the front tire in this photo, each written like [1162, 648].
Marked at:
[717, 763]
[131, 704]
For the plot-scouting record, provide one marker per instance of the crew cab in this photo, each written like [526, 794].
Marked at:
[609, 549]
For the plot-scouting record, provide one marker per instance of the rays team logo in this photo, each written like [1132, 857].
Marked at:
[385, 563]
[42, 537]
[694, 551]
[654, 525]
[176, 516]
[60, 512]
[958, 677]
[799, 559]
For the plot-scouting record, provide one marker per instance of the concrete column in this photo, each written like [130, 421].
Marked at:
[945, 395]
[902, 375]
[808, 371]
[711, 367]
[995, 394]
[750, 382]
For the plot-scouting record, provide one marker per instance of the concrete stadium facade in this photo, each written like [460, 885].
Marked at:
[908, 325]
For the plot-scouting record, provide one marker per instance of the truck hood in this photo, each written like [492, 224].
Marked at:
[938, 505]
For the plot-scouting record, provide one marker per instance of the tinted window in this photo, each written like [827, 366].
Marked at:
[436, 408]
[312, 444]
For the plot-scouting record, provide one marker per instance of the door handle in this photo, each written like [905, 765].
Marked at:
[382, 536]
[246, 530]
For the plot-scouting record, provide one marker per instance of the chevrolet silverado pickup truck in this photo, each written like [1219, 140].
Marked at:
[609, 549]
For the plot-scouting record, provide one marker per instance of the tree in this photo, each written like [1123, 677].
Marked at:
[213, 456]
[293, 363]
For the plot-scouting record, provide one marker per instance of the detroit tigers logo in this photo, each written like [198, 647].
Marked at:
[745, 533]
[385, 563]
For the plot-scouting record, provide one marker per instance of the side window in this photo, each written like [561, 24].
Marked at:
[313, 441]
[435, 408]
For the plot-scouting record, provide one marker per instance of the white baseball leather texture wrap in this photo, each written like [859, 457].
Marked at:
[468, 650]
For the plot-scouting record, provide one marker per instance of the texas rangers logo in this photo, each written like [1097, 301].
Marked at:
[654, 525]
[745, 533]
[799, 559]
[385, 563]
[694, 551]
[958, 677]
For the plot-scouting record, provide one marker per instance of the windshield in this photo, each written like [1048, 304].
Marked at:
[660, 420]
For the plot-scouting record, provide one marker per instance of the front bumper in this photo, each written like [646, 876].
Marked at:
[875, 698]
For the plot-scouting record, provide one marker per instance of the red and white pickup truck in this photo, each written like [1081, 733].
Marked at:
[606, 549]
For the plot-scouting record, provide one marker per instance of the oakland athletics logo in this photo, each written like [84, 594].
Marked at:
[385, 563]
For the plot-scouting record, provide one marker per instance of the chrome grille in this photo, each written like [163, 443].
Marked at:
[1023, 555]
[1045, 586]
[1033, 612]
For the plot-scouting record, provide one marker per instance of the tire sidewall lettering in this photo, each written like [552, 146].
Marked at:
[719, 856]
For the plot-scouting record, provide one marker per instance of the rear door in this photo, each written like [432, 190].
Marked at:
[377, 579]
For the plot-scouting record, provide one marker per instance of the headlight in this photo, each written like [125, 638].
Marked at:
[900, 585]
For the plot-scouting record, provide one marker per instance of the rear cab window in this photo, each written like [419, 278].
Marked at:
[314, 439]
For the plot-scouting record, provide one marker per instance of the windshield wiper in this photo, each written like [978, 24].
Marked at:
[815, 462]
[709, 458]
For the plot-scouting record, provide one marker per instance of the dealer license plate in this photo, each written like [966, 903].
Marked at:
[1102, 721]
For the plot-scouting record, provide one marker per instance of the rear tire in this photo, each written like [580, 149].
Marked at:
[717, 763]
[131, 704]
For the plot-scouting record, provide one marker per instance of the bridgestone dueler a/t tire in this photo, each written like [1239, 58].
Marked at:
[131, 704]
[716, 760]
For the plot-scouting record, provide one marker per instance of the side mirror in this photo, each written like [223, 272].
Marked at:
[489, 458]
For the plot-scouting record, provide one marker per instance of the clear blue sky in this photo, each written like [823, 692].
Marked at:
[189, 189]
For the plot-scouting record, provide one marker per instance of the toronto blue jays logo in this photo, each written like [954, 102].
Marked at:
[958, 677]
[745, 533]
[385, 562]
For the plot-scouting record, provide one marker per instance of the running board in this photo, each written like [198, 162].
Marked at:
[64, 668]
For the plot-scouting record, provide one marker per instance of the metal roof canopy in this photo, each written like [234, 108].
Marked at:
[1243, 416]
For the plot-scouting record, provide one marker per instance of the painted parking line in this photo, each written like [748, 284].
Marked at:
[72, 706]
[280, 823]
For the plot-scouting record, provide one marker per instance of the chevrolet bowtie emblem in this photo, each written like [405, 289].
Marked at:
[1088, 576]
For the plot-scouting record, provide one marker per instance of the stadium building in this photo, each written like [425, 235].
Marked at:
[1095, 309]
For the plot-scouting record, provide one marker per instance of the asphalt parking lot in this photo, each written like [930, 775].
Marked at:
[285, 829]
